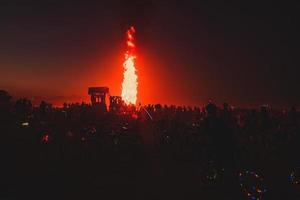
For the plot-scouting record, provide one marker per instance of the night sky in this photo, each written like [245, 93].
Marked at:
[246, 54]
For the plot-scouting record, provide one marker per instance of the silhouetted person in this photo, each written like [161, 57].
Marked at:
[221, 136]
[4, 101]
[23, 108]
[293, 117]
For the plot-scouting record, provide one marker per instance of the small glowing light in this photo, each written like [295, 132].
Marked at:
[259, 191]
[45, 138]
[25, 124]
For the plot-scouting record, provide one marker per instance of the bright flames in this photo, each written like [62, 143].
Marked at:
[129, 85]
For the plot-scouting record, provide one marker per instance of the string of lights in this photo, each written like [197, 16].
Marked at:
[252, 185]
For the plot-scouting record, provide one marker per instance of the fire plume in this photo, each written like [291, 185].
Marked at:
[129, 85]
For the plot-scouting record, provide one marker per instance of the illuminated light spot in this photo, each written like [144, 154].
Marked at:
[45, 138]
[259, 191]
[25, 124]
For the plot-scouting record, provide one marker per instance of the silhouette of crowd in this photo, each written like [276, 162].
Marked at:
[44, 143]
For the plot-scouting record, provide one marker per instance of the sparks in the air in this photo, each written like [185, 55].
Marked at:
[129, 85]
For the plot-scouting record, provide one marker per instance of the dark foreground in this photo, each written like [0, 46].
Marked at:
[78, 153]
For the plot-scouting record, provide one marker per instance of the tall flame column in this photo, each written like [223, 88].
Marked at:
[130, 83]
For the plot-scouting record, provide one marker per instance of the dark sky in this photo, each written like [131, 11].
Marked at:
[243, 53]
